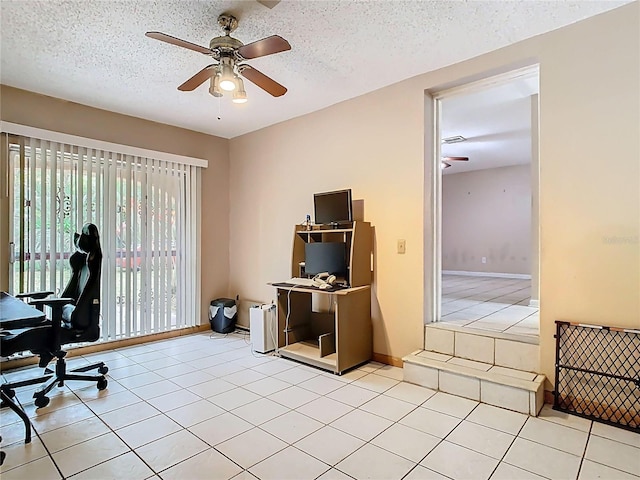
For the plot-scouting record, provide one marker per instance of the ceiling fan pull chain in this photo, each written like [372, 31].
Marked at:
[219, 108]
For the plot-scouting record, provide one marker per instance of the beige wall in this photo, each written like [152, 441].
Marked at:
[274, 173]
[27, 108]
[487, 213]
[589, 115]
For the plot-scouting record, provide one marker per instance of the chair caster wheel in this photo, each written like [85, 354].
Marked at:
[102, 384]
[103, 370]
[42, 401]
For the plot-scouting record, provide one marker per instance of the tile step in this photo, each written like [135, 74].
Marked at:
[519, 352]
[512, 389]
[515, 337]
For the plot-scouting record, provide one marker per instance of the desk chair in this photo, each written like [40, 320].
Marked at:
[74, 318]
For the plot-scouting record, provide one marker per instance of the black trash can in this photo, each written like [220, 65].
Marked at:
[223, 314]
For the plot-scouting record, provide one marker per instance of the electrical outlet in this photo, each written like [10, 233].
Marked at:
[402, 246]
[484, 259]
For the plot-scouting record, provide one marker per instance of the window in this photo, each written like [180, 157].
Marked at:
[147, 214]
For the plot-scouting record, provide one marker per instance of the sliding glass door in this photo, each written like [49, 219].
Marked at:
[146, 214]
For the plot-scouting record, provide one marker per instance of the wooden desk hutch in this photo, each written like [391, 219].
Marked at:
[330, 329]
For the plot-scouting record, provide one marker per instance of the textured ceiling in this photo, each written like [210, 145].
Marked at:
[94, 52]
[496, 123]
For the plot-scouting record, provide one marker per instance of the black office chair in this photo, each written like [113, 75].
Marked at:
[75, 317]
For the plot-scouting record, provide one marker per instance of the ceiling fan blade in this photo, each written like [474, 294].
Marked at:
[458, 159]
[198, 79]
[163, 37]
[266, 46]
[268, 84]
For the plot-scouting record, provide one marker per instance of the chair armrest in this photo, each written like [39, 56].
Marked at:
[56, 305]
[33, 294]
[55, 301]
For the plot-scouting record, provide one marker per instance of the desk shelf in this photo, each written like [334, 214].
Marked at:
[309, 352]
[313, 231]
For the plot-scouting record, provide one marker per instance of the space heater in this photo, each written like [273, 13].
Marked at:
[262, 328]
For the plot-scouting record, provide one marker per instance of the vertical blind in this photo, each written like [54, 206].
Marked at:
[146, 211]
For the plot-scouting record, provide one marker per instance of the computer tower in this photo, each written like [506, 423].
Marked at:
[262, 328]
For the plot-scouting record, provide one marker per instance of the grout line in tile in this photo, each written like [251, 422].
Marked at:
[378, 394]
[584, 450]
[37, 434]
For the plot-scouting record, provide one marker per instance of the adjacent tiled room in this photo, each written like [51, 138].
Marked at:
[207, 406]
[489, 303]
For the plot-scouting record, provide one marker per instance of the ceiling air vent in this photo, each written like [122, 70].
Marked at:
[454, 139]
[269, 3]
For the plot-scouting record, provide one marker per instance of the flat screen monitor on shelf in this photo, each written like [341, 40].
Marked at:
[329, 257]
[332, 207]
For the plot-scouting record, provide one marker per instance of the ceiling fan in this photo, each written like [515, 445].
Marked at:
[444, 161]
[230, 53]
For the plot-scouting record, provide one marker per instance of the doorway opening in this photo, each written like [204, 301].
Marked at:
[484, 206]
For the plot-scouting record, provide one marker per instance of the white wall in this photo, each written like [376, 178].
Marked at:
[487, 213]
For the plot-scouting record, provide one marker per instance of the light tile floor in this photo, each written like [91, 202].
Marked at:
[488, 303]
[215, 410]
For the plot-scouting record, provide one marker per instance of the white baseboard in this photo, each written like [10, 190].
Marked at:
[534, 303]
[521, 276]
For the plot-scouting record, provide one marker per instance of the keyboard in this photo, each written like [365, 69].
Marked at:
[303, 282]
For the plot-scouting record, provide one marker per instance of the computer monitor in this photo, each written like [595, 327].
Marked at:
[332, 207]
[330, 257]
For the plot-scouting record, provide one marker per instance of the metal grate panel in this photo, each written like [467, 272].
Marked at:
[598, 373]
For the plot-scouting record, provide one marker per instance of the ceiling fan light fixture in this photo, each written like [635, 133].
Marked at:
[227, 78]
[239, 95]
[227, 85]
[214, 88]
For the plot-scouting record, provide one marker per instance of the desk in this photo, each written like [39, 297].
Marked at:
[15, 313]
[337, 340]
